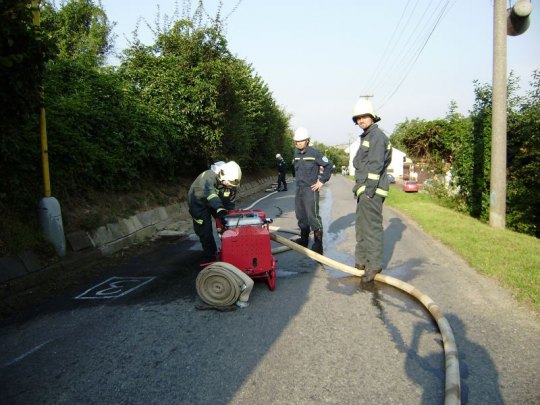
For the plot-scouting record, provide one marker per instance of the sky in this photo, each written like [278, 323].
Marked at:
[319, 56]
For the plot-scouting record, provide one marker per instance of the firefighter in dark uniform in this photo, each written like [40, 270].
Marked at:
[312, 169]
[212, 193]
[282, 169]
[371, 188]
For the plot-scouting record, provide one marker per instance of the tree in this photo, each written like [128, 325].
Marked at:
[21, 51]
[427, 141]
[523, 165]
[219, 108]
[79, 30]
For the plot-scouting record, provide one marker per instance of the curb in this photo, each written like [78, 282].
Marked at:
[84, 247]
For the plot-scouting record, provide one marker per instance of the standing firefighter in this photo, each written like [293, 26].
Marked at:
[211, 195]
[370, 190]
[282, 168]
[312, 169]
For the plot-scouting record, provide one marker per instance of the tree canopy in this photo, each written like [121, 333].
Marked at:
[463, 145]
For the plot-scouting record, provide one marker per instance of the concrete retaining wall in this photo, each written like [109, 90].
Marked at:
[173, 220]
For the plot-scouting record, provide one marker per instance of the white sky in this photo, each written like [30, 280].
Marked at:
[318, 56]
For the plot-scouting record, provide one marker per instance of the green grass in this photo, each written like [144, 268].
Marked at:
[510, 257]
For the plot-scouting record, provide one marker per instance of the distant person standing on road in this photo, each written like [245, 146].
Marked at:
[370, 190]
[212, 193]
[312, 169]
[282, 168]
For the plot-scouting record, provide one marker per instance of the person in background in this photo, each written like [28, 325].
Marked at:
[312, 169]
[282, 168]
[211, 195]
[370, 189]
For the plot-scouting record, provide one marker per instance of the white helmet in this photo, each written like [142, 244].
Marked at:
[230, 174]
[215, 167]
[364, 107]
[301, 134]
[278, 156]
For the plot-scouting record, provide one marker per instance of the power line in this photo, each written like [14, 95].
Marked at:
[409, 46]
[408, 51]
[384, 55]
[382, 71]
[388, 98]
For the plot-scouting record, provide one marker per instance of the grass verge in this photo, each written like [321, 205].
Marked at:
[510, 257]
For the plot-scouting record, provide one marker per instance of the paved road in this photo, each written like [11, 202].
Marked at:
[320, 337]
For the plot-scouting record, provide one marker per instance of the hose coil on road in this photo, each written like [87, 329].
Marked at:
[221, 284]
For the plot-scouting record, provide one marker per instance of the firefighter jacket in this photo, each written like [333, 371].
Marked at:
[282, 166]
[207, 193]
[310, 165]
[371, 162]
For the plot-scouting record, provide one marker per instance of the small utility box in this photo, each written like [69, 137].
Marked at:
[50, 218]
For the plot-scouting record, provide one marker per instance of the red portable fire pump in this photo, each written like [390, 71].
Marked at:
[245, 243]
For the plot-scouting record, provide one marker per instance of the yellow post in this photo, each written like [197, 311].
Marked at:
[44, 149]
[42, 118]
[50, 213]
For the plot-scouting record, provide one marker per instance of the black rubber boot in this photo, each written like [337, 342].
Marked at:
[369, 275]
[304, 238]
[317, 246]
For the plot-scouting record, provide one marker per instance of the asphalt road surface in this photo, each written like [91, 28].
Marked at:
[134, 336]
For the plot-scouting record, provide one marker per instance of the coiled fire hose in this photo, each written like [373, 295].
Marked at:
[221, 284]
[452, 382]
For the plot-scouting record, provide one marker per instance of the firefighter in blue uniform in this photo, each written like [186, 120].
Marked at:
[212, 193]
[312, 169]
[370, 190]
[282, 169]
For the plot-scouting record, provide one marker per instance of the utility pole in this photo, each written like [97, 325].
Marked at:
[514, 21]
[50, 214]
[497, 197]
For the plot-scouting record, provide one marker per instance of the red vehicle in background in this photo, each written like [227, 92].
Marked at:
[410, 186]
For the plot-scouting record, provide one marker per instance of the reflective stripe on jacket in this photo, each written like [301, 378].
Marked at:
[208, 193]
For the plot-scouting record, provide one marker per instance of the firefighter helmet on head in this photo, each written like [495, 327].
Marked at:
[364, 107]
[230, 174]
[301, 134]
[278, 156]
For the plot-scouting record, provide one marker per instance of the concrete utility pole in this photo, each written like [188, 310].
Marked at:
[514, 21]
[497, 198]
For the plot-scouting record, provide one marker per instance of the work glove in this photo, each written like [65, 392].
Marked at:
[222, 213]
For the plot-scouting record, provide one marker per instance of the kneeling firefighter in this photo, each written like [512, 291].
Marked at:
[212, 194]
[312, 169]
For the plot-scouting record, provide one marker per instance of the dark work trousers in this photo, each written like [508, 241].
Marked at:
[369, 232]
[280, 181]
[205, 233]
[306, 207]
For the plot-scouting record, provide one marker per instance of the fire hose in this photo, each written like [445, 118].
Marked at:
[222, 285]
[452, 381]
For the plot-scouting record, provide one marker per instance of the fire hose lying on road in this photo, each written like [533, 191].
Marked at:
[246, 254]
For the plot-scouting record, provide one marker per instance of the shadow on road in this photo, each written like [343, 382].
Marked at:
[149, 346]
